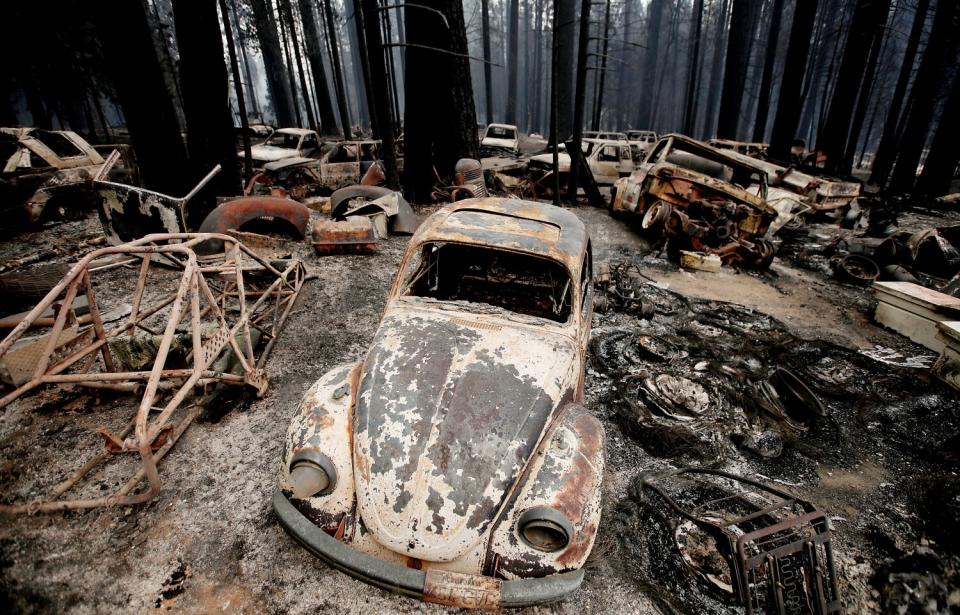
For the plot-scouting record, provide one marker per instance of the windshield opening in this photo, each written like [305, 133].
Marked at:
[501, 132]
[516, 282]
[284, 140]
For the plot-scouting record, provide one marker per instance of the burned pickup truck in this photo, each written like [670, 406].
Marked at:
[696, 197]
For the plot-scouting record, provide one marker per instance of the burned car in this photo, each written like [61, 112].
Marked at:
[456, 462]
[342, 164]
[697, 198]
[40, 166]
[285, 143]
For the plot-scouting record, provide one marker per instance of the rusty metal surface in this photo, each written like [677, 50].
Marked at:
[465, 591]
[221, 298]
[233, 215]
[355, 235]
[460, 417]
[777, 547]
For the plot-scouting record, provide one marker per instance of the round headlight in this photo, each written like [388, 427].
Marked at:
[312, 473]
[545, 529]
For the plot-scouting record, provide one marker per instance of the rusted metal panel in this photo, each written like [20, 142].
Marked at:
[465, 591]
[355, 235]
[233, 215]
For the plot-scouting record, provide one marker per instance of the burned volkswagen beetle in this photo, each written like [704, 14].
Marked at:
[456, 462]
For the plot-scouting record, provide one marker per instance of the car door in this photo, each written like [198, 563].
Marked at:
[605, 163]
[625, 166]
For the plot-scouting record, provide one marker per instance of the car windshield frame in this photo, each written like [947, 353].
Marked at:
[286, 137]
[413, 268]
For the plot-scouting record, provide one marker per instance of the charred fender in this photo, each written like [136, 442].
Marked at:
[232, 215]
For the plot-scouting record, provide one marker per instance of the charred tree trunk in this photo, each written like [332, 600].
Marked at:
[883, 161]
[206, 108]
[512, 59]
[363, 62]
[538, 64]
[940, 53]
[693, 73]
[342, 102]
[649, 73]
[487, 68]
[238, 88]
[866, 90]
[601, 80]
[868, 17]
[379, 90]
[942, 161]
[439, 129]
[356, 60]
[735, 68]
[790, 102]
[766, 80]
[579, 102]
[566, 16]
[716, 70]
[277, 86]
[142, 94]
[286, 15]
[328, 125]
[251, 92]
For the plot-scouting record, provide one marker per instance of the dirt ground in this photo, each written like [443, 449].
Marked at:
[210, 542]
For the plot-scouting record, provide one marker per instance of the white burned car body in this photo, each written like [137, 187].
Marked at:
[456, 462]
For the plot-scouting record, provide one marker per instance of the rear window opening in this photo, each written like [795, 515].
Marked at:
[498, 132]
[516, 282]
[61, 146]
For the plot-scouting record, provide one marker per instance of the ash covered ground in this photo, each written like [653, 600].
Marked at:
[882, 463]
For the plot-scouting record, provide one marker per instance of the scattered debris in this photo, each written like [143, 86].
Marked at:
[699, 261]
[284, 215]
[374, 201]
[947, 367]
[229, 300]
[355, 235]
[915, 311]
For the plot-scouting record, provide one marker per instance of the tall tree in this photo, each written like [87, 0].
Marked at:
[885, 155]
[487, 68]
[142, 94]
[289, 31]
[206, 108]
[943, 159]
[790, 102]
[277, 86]
[512, 60]
[868, 16]
[602, 73]
[940, 53]
[625, 64]
[566, 18]
[766, 79]
[865, 96]
[238, 88]
[693, 71]
[321, 91]
[579, 95]
[648, 76]
[441, 128]
[735, 68]
[378, 90]
[716, 69]
[360, 59]
[342, 102]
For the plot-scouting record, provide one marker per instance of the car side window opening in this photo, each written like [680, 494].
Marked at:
[309, 142]
[284, 140]
[59, 144]
[516, 282]
[625, 153]
[609, 154]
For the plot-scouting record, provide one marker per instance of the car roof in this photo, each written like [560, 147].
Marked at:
[294, 131]
[523, 226]
[717, 153]
[502, 126]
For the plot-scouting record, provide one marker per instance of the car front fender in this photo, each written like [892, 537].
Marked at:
[323, 423]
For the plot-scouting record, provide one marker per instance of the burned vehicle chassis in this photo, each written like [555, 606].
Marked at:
[691, 210]
[777, 546]
[225, 316]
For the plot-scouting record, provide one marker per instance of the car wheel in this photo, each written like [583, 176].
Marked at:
[654, 222]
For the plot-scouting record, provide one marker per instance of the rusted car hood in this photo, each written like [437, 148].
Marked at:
[449, 409]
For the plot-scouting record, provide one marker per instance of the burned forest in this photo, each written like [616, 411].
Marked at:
[534, 306]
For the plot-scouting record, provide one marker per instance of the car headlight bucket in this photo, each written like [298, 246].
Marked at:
[545, 529]
[312, 473]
